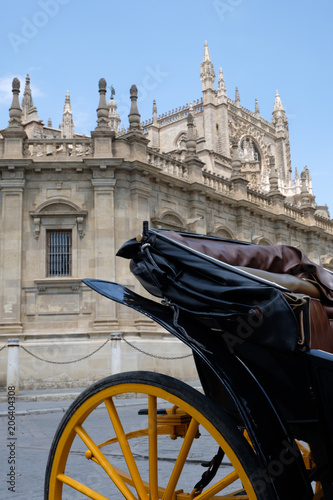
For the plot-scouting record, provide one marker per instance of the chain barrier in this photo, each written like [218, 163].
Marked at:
[64, 362]
[96, 350]
[155, 355]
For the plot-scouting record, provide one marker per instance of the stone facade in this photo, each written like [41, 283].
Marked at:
[210, 167]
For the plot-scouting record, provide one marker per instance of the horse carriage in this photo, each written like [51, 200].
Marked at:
[258, 322]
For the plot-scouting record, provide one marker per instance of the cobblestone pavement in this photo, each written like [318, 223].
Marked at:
[35, 425]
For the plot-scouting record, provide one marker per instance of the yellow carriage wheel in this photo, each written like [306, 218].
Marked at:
[147, 436]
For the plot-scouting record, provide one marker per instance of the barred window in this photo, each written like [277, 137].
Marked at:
[59, 247]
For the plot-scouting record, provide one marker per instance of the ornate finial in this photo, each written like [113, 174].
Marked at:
[49, 123]
[236, 164]
[134, 116]
[305, 180]
[15, 112]
[154, 112]
[190, 141]
[221, 89]
[67, 126]
[16, 84]
[102, 84]
[190, 119]
[102, 110]
[273, 177]
[237, 98]
[134, 91]
[256, 107]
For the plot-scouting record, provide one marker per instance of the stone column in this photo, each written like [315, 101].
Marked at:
[12, 185]
[103, 183]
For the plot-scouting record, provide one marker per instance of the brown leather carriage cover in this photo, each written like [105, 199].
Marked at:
[296, 272]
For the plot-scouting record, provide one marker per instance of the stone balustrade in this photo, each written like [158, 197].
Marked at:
[167, 164]
[217, 183]
[293, 212]
[56, 149]
[325, 224]
[260, 199]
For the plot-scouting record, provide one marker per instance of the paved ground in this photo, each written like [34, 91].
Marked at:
[37, 416]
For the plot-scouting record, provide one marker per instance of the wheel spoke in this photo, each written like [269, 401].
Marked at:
[109, 469]
[219, 486]
[125, 448]
[153, 459]
[76, 485]
[181, 459]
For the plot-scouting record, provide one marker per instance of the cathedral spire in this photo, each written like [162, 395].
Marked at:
[27, 101]
[67, 107]
[67, 126]
[278, 106]
[221, 89]
[29, 111]
[207, 73]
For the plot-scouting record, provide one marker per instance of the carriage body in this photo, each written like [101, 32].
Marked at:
[252, 337]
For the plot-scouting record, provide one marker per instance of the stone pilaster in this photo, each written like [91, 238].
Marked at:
[103, 183]
[12, 186]
[243, 223]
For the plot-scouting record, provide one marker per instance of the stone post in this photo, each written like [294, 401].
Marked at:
[13, 361]
[116, 338]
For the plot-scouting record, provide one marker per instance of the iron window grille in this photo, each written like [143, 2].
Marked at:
[59, 253]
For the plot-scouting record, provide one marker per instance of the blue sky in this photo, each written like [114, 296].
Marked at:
[261, 45]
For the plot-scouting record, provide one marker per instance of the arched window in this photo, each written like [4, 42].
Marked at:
[57, 224]
[169, 220]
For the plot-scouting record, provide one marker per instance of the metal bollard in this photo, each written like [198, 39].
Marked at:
[115, 352]
[13, 362]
